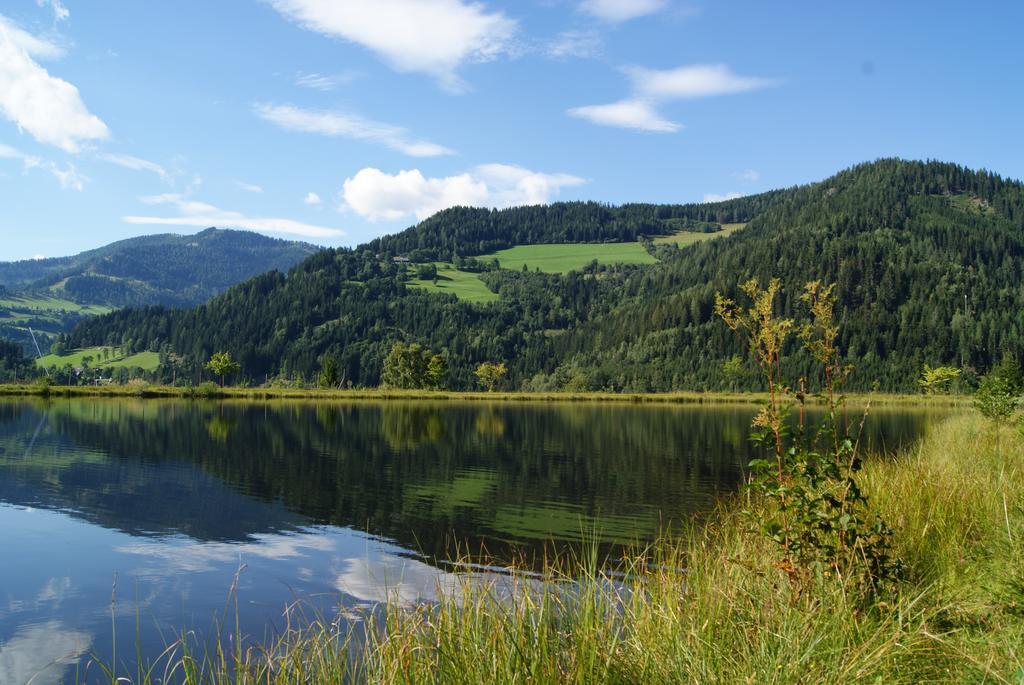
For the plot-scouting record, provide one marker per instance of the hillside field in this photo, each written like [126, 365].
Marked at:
[462, 284]
[685, 238]
[148, 361]
[24, 307]
[561, 258]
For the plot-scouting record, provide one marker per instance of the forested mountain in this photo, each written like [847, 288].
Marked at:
[927, 258]
[174, 270]
[51, 296]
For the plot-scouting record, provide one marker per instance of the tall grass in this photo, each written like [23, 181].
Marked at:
[711, 606]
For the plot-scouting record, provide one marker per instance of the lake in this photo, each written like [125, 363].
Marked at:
[117, 513]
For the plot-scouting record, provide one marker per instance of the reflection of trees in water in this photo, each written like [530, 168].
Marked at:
[219, 427]
[480, 471]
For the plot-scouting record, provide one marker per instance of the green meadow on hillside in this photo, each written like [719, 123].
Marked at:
[462, 284]
[561, 258]
[684, 238]
[25, 307]
[148, 361]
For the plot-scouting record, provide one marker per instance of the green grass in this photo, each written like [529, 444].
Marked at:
[560, 258]
[464, 285]
[710, 606]
[685, 238]
[147, 361]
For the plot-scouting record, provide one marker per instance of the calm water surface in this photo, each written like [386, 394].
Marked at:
[118, 511]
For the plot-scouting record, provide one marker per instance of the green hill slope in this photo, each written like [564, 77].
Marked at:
[927, 257]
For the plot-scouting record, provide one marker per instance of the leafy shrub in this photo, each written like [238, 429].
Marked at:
[817, 513]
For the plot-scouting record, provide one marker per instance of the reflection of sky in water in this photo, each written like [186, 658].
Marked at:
[59, 572]
[143, 502]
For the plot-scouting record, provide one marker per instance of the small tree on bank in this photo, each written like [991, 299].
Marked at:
[222, 365]
[937, 380]
[490, 374]
[413, 367]
[999, 393]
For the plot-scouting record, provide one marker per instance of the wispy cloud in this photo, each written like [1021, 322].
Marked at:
[203, 215]
[348, 125]
[694, 81]
[60, 12]
[134, 163]
[48, 108]
[312, 199]
[748, 175]
[324, 82]
[575, 44]
[652, 87]
[622, 10]
[248, 187]
[67, 176]
[433, 37]
[715, 197]
[377, 195]
[635, 114]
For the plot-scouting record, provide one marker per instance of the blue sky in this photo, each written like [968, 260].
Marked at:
[336, 121]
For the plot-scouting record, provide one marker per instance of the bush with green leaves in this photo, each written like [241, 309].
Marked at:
[817, 512]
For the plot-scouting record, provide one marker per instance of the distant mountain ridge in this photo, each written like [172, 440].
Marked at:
[50, 296]
[166, 269]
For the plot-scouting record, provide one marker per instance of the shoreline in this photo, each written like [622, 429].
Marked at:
[380, 394]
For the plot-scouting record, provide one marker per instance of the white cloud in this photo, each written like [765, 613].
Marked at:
[581, 44]
[346, 125]
[48, 108]
[433, 37]
[312, 199]
[694, 81]
[324, 82]
[652, 87]
[68, 176]
[748, 175]
[203, 215]
[635, 114]
[134, 163]
[248, 187]
[715, 197]
[60, 12]
[621, 10]
[376, 195]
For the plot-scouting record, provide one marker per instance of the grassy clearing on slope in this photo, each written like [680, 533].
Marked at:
[147, 361]
[560, 258]
[464, 285]
[711, 606]
[45, 303]
[685, 238]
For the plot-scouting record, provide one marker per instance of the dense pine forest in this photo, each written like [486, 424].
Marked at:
[926, 257]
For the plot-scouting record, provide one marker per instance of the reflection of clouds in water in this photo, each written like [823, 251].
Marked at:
[55, 590]
[402, 582]
[184, 555]
[40, 653]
